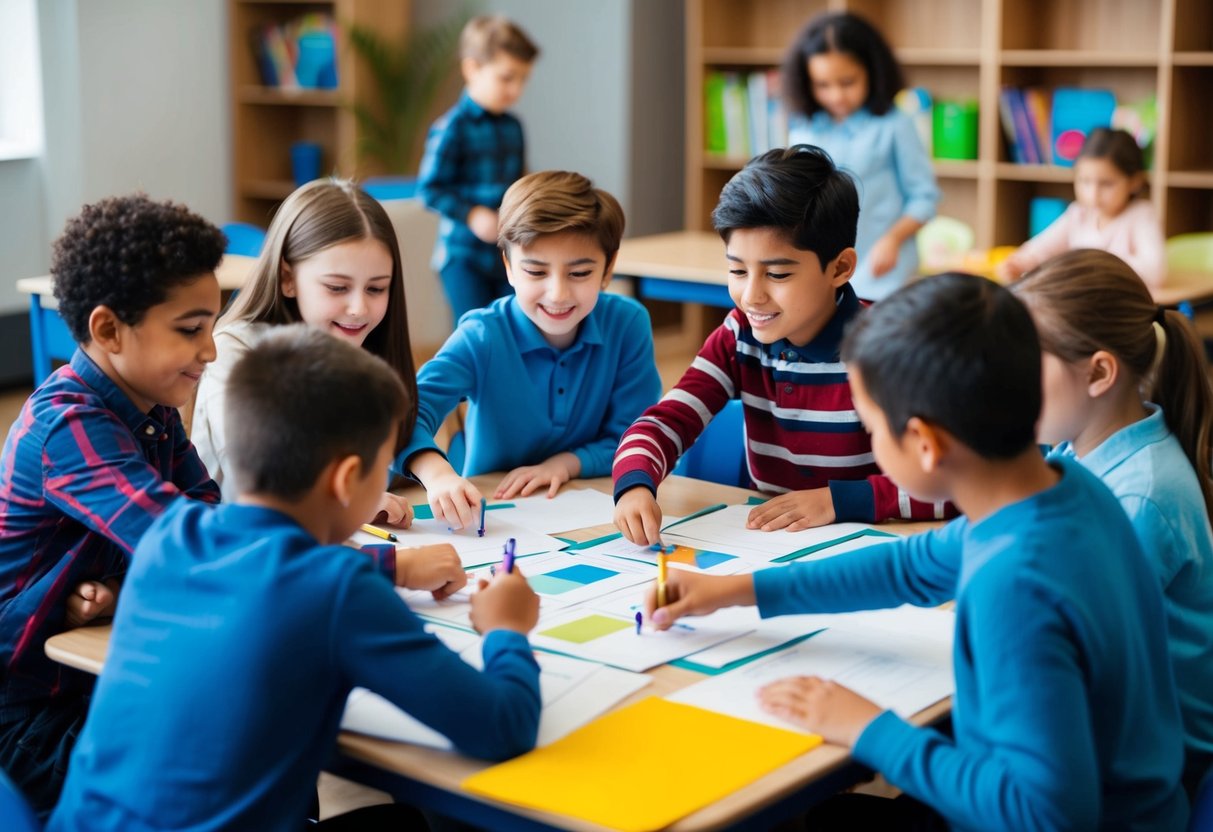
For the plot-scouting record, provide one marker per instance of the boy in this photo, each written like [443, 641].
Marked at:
[788, 225]
[97, 453]
[555, 373]
[474, 152]
[260, 597]
[1065, 714]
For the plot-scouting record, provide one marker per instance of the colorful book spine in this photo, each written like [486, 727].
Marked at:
[1037, 104]
[736, 116]
[715, 140]
[1007, 117]
[756, 91]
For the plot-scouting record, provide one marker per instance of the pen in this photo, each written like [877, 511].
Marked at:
[639, 620]
[380, 533]
[507, 559]
[483, 511]
[661, 576]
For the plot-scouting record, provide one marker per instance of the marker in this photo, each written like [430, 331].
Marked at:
[661, 576]
[639, 620]
[507, 558]
[379, 533]
[483, 511]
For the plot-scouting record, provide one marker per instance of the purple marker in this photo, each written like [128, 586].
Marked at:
[639, 621]
[507, 559]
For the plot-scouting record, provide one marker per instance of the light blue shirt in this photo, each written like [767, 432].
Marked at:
[895, 179]
[527, 400]
[1147, 470]
[1065, 715]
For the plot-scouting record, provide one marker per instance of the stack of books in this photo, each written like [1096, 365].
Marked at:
[298, 54]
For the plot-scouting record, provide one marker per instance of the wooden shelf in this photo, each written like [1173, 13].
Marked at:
[1192, 58]
[939, 57]
[742, 56]
[1190, 179]
[1077, 58]
[267, 188]
[1034, 173]
[257, 94]
[957, 168]
[723, 162]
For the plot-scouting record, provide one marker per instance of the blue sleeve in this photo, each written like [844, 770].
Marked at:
[915, 175]
[442, 382]
[381, 645]
[438, 183]
[636, 387]
[1166, 550]
[922, 570]
[1036, 767]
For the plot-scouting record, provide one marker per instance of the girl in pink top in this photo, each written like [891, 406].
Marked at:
[1106, 214]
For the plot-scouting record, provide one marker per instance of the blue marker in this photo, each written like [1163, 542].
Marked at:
[507, 559]
[483, 511]
[639, 620]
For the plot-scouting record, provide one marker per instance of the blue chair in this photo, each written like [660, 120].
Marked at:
[16, 812]
[718, 455]
[1201, 819]
[244, 238]
[390, 187]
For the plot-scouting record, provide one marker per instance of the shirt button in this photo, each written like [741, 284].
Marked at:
[787, 389]
[792, 355]
[149, 430]
[560, 390]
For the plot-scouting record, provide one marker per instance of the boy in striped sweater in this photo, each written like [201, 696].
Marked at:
[788, 223]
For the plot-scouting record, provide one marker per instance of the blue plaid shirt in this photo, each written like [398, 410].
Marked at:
[83, 474]
[471, 158]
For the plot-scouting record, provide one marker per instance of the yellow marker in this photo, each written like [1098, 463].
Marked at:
[380, 533]
[661, 576]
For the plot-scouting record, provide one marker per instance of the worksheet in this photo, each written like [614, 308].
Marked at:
[473, 550]
[725, 531]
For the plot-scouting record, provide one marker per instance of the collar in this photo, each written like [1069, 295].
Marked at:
[1127, 441]
[118, 402]
[849, 126]
[530, 339]
[825, 347]
[469, 106]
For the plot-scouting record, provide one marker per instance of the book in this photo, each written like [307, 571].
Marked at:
[756, 92]
[1036, 102]
[1007, 119]
[736, 116]
[715, 140]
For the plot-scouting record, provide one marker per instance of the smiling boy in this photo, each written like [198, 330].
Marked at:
[554, 374]
[97, 453]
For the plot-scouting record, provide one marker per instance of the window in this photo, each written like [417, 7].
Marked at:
[20, 80]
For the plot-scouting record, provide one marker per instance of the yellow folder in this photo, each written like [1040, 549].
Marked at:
[642, 767]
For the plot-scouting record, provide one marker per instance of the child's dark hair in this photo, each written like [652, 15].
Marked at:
[1117, 146]
[300, 399]
[854, 36]
[956, 351]
[797, 190]
[1086, 300]
[127, 253]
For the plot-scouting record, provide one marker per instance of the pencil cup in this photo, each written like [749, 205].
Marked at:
[305, 162]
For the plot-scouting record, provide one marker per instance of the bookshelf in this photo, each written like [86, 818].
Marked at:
[970, 49]
[267, 120]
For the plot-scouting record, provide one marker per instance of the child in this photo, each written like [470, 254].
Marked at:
[839, 79]
[788, 224]
[1108, 212]
[473, 154]
[260, 598]
[1106, 345]
[96, 455]
[331, 260]
[555, 373]
[1065, 713]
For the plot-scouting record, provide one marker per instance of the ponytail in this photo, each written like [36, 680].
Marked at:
[1181, 387]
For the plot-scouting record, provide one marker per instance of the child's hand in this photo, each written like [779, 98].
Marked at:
[508, 603]
[553, 473]
[90, 600]
[883, 256]
[435, 568]
[794, 511]
[483, 223]
[394, 511]
[838, 713]
[638, 516]
[690, 593]
[454, 500]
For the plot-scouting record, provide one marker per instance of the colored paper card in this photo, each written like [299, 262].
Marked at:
[725, 531]
[601, 773]
[424, 512]
[703, 559]
[586, 628]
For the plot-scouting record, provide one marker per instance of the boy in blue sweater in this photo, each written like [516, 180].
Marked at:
[553, 374]
[1065, 714]
[259, 598]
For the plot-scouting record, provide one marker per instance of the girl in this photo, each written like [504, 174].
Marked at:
[839, 79]
[331, 260]
[1108, 213]
[1126, 391]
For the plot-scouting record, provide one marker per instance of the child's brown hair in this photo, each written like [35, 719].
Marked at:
[553, 201]
[1086, 300]
[488, 35]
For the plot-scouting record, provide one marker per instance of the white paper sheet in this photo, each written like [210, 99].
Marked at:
[725, 531]
[571, 509]
[473, 550]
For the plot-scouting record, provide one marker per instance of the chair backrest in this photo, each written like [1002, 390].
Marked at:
[390, 187]
[718, 455]
[244, 238]
[14, 810]
[1192, 252]
[942, 243]
[1201, 819]
[429, 313]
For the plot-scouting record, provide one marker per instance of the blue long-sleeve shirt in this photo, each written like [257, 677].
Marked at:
[1146, 468]
[528, 401]
[895, 179]
[1065, 714]
[237, 640]
[471, 158]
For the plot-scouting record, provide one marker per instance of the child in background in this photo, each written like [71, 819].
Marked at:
[332, 261]
[97, 453]
[1109, 212]
[1065, 714]
[554, 373]
[788, 225]
[839, 79]
[1127, 393]
[473, 154]
[260, 598]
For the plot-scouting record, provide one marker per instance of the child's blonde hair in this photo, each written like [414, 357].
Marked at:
[553, 201]
[1087, 300]
[488, 35]
[317, 216]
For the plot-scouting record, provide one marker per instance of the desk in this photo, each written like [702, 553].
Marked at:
[49, 335]
[430, 778]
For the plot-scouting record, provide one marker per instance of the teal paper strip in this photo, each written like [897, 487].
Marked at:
[808, 550]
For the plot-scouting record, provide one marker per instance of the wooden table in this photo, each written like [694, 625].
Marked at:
[430, 778]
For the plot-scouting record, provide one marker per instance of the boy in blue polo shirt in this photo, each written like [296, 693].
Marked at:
[1065, 714]
[474, 152]
[260, 598]
[553, 374]
[97, 453]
